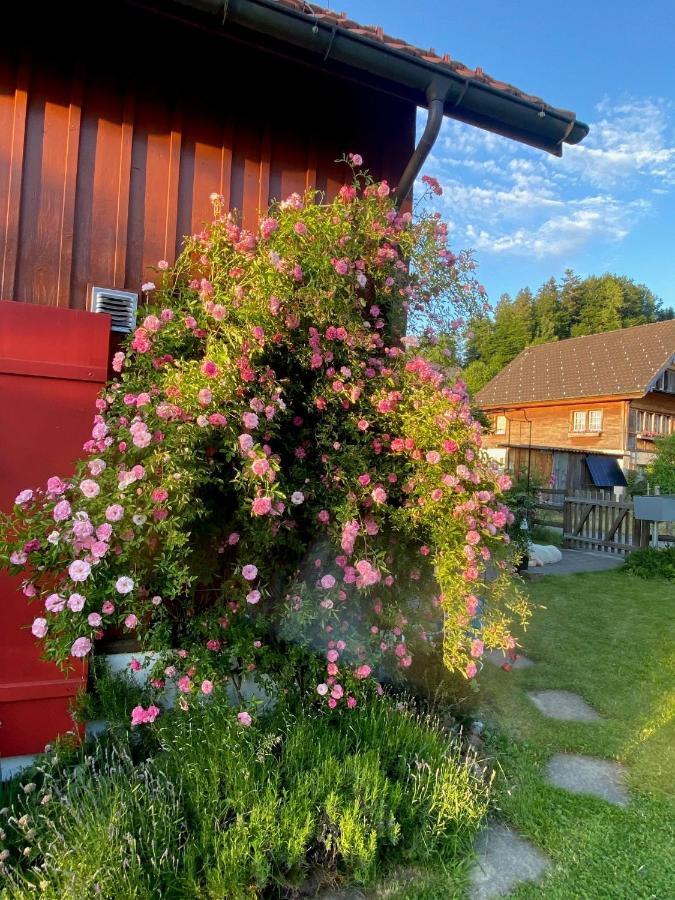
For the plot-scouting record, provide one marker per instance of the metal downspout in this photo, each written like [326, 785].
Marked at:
[436, 97]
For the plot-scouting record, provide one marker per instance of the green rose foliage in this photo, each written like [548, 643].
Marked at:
[277, 482]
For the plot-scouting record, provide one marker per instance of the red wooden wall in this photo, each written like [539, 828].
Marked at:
[112, 139]
[53, 363]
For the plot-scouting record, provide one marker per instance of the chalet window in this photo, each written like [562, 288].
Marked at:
[500, 424]
[595, 420]
[643, 422]
[579, 420]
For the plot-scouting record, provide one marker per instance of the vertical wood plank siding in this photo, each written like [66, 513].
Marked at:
[109, 149]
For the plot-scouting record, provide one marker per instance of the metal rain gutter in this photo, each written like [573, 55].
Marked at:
[436, 101]
[467, 99]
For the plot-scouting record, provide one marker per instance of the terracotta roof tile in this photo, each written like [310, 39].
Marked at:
[615, 363]
[444, 61]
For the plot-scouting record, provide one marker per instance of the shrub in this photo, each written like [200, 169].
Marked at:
[275, 472]
[198, 806]
[661, 471]
[650, 562]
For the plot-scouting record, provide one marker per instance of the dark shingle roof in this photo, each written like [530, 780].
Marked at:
[615, 363]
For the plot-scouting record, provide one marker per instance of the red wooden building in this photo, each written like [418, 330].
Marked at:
[117, 120]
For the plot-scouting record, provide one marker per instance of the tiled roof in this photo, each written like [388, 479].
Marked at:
[614, 363]
[445, 61]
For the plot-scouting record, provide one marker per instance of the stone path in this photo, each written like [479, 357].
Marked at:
[574, 561]
[563, 705]
[587, 775]
[504, 860]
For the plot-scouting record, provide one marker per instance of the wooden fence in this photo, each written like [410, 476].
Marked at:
[549, 506]
[594, 520]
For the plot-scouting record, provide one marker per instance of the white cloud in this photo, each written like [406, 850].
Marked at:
[506, 198]
[632, 140]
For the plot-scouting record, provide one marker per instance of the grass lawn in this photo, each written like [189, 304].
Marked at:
[611, 638]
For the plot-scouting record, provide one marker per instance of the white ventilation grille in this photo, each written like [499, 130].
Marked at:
[121, 306]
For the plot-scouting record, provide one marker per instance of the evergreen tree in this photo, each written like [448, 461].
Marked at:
[548, 312]
[558, 311]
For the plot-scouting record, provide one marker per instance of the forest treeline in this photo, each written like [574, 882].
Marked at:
[560, 309]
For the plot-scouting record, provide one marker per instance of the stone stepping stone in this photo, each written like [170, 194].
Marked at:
[563, 705]
[499, 658]
[587, 775]
[504, 860]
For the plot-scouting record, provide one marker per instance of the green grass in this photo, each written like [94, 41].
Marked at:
[611, 638]
[543, 534]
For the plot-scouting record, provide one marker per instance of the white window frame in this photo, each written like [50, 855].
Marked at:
[579, 416]
[500, 424]
[592, 414]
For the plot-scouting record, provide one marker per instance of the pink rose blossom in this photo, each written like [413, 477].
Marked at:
[184, 684]
[81, 647]
[39, 627]
[249, 572]
[245, 442]
[207, 687]
[477, 648]
[114, 512]
[140, 716]
[62, 511]
[259, 466]
[55, 603]
[76, 602]
[79, 570]
[55, 486]
[261, 506]
[210, 369]
[244, 719]
[124, 585]
[131, 621]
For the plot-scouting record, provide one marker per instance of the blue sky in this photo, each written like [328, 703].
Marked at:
[608, 204]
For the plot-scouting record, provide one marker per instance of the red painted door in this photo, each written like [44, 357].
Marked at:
[53, 362]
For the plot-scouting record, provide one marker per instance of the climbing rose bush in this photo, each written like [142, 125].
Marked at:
[277, 477]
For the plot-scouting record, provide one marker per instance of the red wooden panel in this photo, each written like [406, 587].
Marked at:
[289, 164]
[13, 105]
[48, 187]
[107, 183]
[70, 163]
[102, 199]
[52, 364]
[245, 182]
[153, 190]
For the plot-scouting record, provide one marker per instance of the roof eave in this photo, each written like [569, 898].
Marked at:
[465, 98]
[494, 405]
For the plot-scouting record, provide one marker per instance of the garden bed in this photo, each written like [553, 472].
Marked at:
[200, 806]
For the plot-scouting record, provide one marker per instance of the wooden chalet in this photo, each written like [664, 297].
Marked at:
[585, 411]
